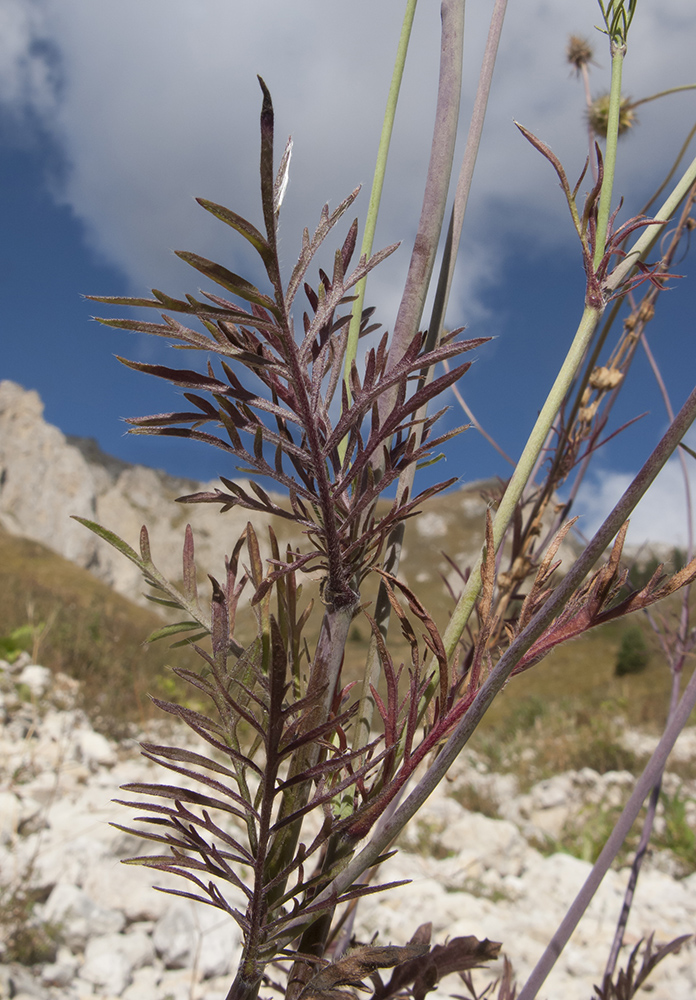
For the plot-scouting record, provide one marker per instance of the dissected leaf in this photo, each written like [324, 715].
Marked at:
[357, 966]
[423, 973]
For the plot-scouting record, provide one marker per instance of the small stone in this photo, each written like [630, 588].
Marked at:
[10, 812]
[36, 678]
[187, 933]
[62, 971]
[79, 916]
[94, 749]
[111, 959]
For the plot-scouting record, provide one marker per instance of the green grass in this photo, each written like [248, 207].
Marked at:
[585, 834]
[92, 633]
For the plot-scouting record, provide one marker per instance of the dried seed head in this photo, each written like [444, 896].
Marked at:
[598, 115]
[605, 378]
[579, 52]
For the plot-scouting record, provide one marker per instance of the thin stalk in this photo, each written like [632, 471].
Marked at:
[466, 172]
[419, 276]
[645, 241]
[474, 421]
[437, 184]
[617, 56]
[643, 844]
[377, 186]
[647, 780]
[585, 332]
[672, 170]
[663, 93]
[584, 72]
[676, 665]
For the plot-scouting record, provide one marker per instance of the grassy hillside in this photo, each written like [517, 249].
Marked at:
[97, 636]
[89, 632]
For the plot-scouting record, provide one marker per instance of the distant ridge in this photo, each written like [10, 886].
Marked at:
[45, 477]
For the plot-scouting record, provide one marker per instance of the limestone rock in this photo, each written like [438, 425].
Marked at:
[111, 959]
[87, 483]
[78, 916]
[469, 874]
[187, 934]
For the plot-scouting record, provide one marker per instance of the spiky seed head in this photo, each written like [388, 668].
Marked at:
[579, 52]
[598, 115]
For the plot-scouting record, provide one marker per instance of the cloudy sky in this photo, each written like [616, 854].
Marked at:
[115, 115]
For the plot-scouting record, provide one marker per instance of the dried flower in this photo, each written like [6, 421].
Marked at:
[579, 52]
[598, 115]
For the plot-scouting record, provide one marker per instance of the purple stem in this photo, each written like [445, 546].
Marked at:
[437, 185]
[647, 780]
[556, 602]
[675, 661]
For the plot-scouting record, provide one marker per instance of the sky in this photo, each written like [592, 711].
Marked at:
[115, 115]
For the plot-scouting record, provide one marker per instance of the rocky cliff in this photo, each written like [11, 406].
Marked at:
[46, 477]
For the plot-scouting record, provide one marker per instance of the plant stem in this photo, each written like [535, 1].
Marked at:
[395, 541]
[663, 93]
[645, 241]
[617, 56]
[377, 186]
[647, 780]
[436, 188]
[645, 835]
[418, 281]
[466, 172]
[588, 325]
[555, 603]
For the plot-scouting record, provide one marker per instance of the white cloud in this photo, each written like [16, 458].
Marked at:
[155, 101]
[660, 517]
[26, 73]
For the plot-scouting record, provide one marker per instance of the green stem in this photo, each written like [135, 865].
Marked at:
[663, 93]
[377, 186]
[645, 241]
[617, 56]
[588, 325]
[389, 830]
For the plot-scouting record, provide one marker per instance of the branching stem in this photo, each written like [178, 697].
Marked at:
[586, 329]
[456, 742]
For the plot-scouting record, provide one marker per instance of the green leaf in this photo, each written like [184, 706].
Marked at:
[228, 279]
[163, 633]
[243, 227]
[112, 539]
[189, 639]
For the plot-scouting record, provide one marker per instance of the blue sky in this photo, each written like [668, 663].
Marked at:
[113, 116]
